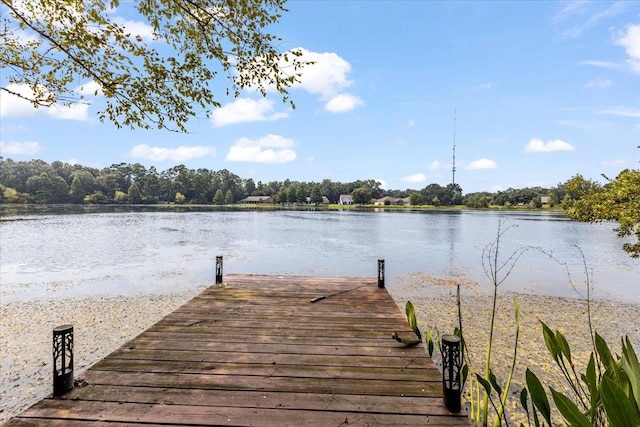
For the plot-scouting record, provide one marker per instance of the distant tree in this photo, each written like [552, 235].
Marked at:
[415, 198]
[120, 197]
[537, 202]
[249, 187]
[281, 196]
[361, 195]
[435, 201]
[316, 195]
[76, 190]
[228, 198]
[97, 197]
[135, 196]
[52, 47]
[619, 201]
[179, 198]
[40, 187]
[218, 199]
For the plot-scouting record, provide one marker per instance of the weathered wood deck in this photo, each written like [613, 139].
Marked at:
[257, 352]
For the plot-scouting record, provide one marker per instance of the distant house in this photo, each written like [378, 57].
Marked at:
[406, 201]
[345, 199]
[325, 200]
[388, 200]
[544, 200]
[257, 200]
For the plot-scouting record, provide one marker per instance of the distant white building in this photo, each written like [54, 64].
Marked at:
[345, 199]
[257, 199]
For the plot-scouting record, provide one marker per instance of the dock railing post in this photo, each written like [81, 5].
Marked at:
[218, 269]
[381, 273]
[451, 390]
[62, 359]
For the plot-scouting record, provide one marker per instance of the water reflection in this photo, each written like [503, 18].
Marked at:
[161, 251]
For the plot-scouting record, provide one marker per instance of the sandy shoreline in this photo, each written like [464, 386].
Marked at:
[436, 307]
[104, 323]
[101, 325]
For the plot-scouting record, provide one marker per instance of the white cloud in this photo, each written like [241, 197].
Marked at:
[435, 165]
[245, 110]
[482, 164]
[27, 147]
[599, 83]
[343, 103]
[537, 145]
[311, 159]
[268, 149]
[78, 112]
[415, 178]
[411, 123]
[584, 15]
[383, 183]
[16, 106]
[601, 64]
[622, 111]
[328, 78]
[90, 88]
[136, 28]
[180, 154]
[631, 42]
[483, 86]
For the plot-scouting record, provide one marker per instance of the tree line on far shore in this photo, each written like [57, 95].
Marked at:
[37, 181]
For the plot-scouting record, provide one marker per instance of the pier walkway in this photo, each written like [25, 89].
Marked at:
[256, 351]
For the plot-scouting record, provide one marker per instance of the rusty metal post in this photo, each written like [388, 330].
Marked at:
[451, 390]
[381, 273]
[218, 269]
[62, 359]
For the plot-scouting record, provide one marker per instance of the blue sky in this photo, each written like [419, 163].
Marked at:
[541, 90]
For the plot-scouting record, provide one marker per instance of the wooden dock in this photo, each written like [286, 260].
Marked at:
[256, 352]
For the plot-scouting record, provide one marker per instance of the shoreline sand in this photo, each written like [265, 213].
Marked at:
[436, 307]
[103, 323]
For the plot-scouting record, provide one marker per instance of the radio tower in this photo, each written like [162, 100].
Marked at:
[453, 169]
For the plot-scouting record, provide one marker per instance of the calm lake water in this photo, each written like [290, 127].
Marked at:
[58, 255]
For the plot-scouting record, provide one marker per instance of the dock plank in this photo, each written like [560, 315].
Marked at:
[255, 351]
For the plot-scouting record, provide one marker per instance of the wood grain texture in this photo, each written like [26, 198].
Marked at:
[256, 352]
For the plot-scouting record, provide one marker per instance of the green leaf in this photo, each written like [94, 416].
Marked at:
[429, 340]
[538, 395]
[485, 384]
[631, 367]
[494, 382]
[603, 351]
[563, 345]
[464, 373]
[550, 341]
[618, 406]
[570, 411]
[411, 318]
[523, 400]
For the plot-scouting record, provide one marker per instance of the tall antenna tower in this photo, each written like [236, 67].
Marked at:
[453, 169]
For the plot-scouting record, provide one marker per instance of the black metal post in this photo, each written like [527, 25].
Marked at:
[218, 269]
[381, 273]
[451, 390]
[62, 359]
